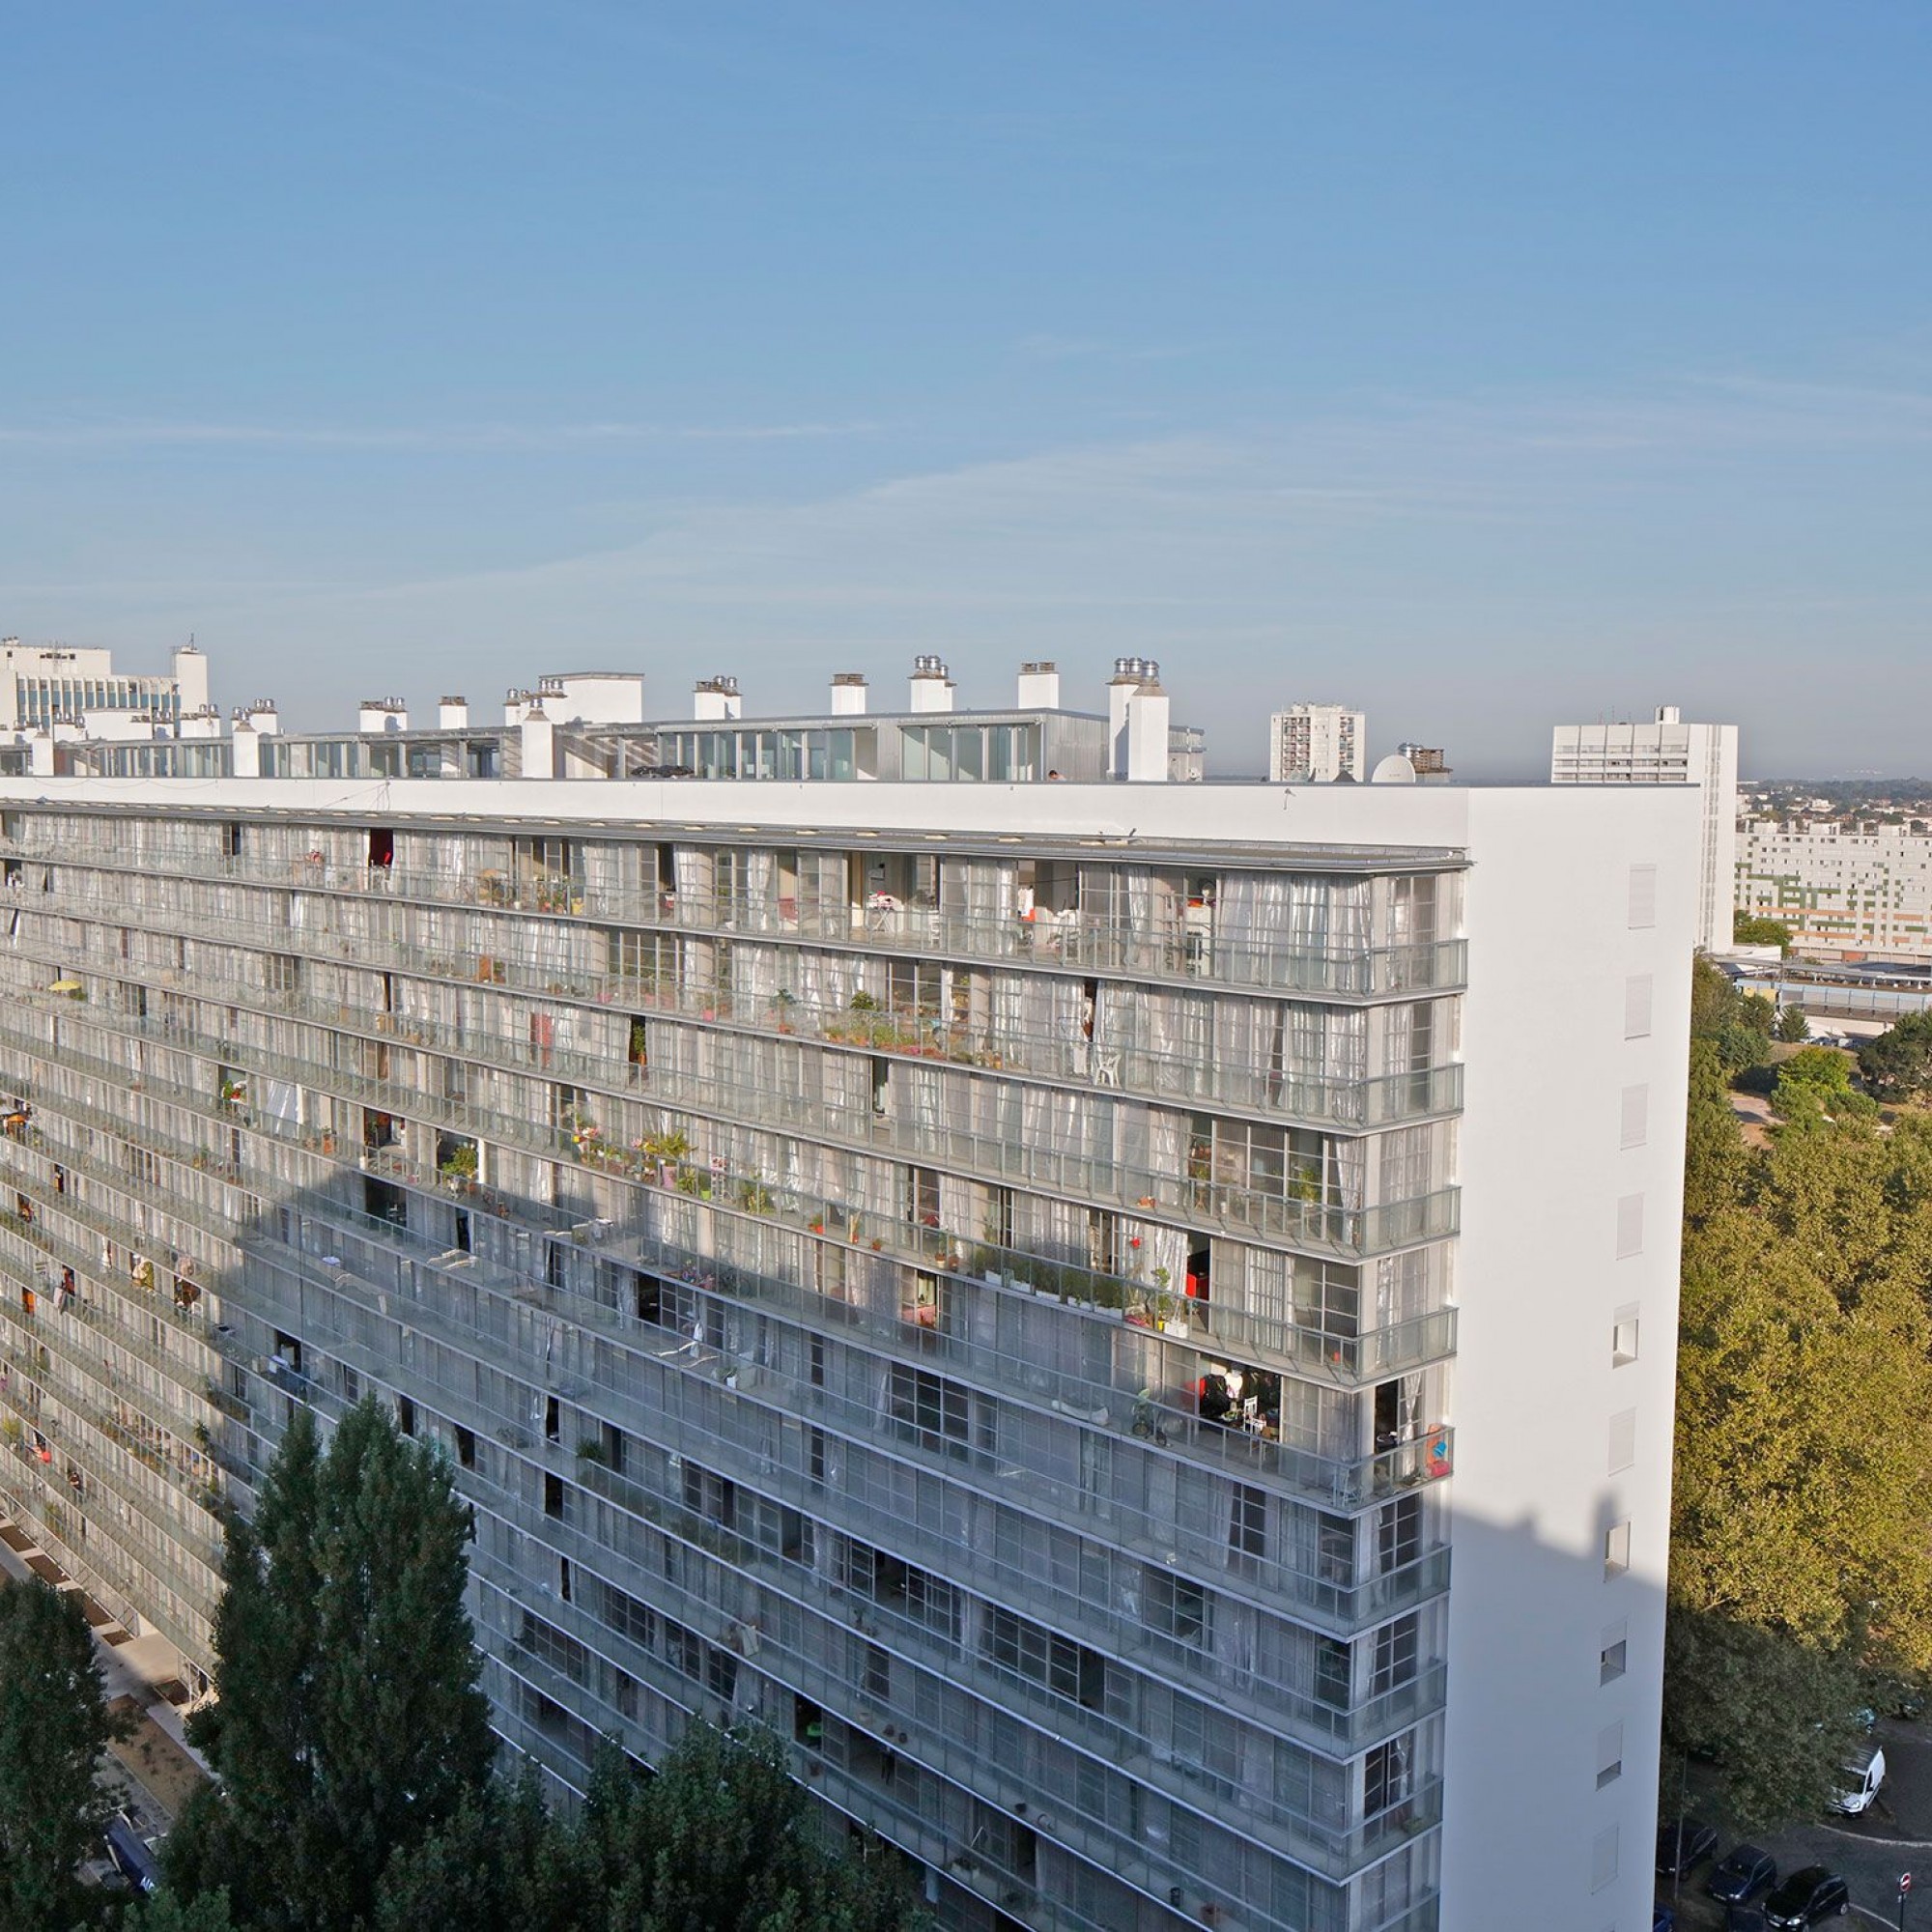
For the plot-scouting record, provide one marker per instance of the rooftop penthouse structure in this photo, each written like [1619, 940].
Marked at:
[1128, 1320]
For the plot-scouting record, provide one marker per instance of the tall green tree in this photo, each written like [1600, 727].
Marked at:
[349, 1722]
[725, 1837]
[1898, 1065]
[1792, 1027]
[721, 1839]
[54, 1724]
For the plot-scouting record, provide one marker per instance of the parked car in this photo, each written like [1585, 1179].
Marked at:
[1682, 1845]
[1742, 1876]
[1805, 1897]
[133, 1856]
[1863, 1773]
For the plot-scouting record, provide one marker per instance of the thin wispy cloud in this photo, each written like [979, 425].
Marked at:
[406, 439]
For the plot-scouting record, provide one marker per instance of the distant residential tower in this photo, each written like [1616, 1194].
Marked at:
[1317, 744]
[1667, 750]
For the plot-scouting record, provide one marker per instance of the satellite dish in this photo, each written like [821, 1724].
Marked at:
[1393, 770]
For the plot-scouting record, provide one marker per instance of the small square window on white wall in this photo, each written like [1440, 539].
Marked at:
[1623, 1336]
[1630, 1226]
[1635, 1126]
[1642, 897]
[1609, 1754]
[1604, 1860]
[1637, 1006]
[1623, 1440]
[1613, 1652]
[1617, 1548]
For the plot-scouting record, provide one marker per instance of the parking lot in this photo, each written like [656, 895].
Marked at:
[1869, 1852]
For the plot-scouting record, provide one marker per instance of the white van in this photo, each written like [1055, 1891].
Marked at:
[1863, 1773]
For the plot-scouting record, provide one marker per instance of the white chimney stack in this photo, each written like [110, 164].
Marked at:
[263, 719]
[715, 697]
[452, 714]
[244, 749]
[1038, 687]
[539, 737]
[1148, 711]
[931, 687]
[848, 693]
[1670, 714]
[381, 714]
[1129, 674]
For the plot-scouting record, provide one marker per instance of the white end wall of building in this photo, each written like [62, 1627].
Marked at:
[1580, 915]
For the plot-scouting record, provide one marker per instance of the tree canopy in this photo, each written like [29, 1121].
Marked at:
[721, 1839]
[1802, 1529]
[54, 1724]
[1898, 1065]
[349, 1722]
[1753, 929]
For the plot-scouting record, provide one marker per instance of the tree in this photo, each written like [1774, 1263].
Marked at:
[1776, 1714]
[1713, 1155]
[168, 1912]
[1792, 1027]
[350, 1722]
[721, 1839]
[1801, 1522]
[725, 1837]
[1738, 1023]
[1814, 1086]
[1750, 929]
[501, 1858]
[54, 1724]
[1897, 1064]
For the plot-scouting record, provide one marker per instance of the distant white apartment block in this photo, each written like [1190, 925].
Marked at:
[78, 692]
[921, 1227]
[1317, 744]
[1667, 750]
[1846, 891]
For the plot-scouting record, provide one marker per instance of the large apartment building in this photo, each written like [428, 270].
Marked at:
[1848, 888]
[1129, 1320]
[1667, 750]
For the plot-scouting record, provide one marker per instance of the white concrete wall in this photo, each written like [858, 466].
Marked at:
[1539, 1283]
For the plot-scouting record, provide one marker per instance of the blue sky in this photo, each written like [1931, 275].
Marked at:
[1486, 365]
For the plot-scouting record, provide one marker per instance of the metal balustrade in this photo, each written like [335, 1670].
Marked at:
[1066, 938]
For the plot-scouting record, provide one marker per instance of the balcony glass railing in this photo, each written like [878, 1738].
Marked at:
[1192, 1202]
[1194, 949]
[1196, 1079]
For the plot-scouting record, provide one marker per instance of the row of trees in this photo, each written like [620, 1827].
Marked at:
[357, 1788]
[1802, 1533]
[354, 1748]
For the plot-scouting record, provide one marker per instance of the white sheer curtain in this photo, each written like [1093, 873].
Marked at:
[1405, 1164]
[1348, 1171]
[692, 868]
[759, 872]
[754, 970]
